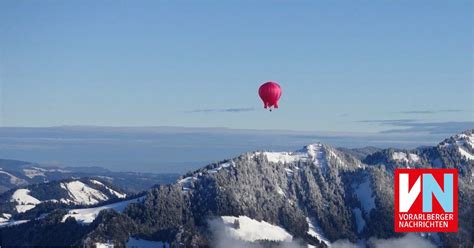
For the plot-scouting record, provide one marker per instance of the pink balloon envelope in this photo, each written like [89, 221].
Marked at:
[270, 92]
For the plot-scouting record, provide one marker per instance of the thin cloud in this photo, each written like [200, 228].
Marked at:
[431, 111]
[389, 122]
[418, 126]
[222, 110]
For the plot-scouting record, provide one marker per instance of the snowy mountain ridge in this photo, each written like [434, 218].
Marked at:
[17, 174]
[74, 192]
[463, 143]
[88, 215]
[316, 154]
[312, 197]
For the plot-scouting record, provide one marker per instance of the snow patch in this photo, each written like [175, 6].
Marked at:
[31, 173]
[82, 194]
[5, 217]
[96, 182]
[413, 157]
[289, 172]
[113, 192]
[104, 245]
[280, 191]
[225, 165]
[88, 215]
[364, 194]
[316, 231]
[13, 223]
[466, 139]
[106, 178]
[187, 183]
[360, 222]
[313, 153]
[466, 154]
[405, 157]
[187, 180]
[24, 200]
[253, 230]
[399, 156]
[221, 166]
[285, 157]
[39, 172]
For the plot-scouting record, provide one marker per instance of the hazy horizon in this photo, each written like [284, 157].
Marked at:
[179, 149]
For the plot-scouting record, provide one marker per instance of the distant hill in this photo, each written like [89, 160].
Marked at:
[14, 174]
[66, 193]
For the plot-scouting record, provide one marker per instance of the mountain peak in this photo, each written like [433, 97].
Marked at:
[312, 148]
[309, 153]
[462, 142]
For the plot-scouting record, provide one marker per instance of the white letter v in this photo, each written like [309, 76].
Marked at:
[407, 197]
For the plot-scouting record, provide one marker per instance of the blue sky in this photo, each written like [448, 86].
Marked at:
[345, 66]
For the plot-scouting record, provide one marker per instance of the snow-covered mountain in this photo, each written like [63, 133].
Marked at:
[15, 174]
[462, 143]
[307, 198]
[72, 192]
[88, 215]
[454, 152]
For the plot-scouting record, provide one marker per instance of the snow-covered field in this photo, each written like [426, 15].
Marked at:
[405, 157]
[253, 230]
[82, 194]
[312, 152]
[104, 245]
[113, 192]
[364, 194]
[39, 172]
[24, 200]
[79, 193]
[88, 215]
[285, 157]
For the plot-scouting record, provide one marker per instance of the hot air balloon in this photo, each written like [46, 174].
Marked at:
[270, 92]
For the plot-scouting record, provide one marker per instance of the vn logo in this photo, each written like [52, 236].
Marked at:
[426, 200]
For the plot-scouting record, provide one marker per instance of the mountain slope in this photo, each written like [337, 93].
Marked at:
[310, 197]
[454, 152]
[14, 174]
[21, 202]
